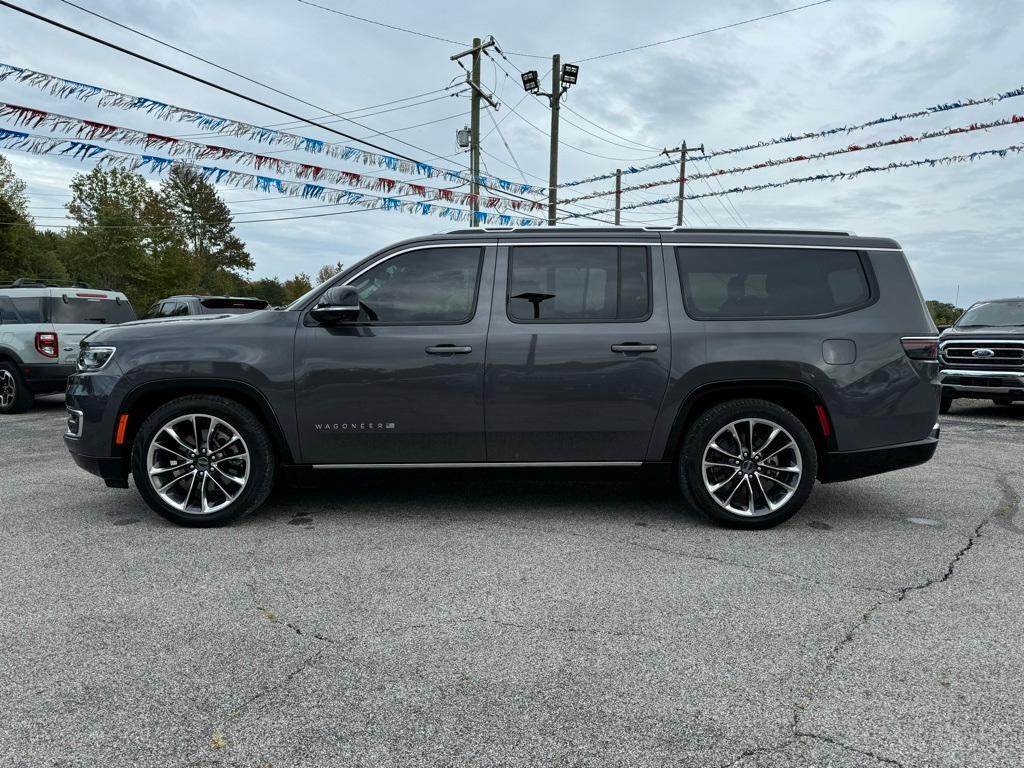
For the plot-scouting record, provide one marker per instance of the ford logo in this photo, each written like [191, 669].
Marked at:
[983, 352]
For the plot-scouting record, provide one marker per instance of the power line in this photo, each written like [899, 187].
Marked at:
[702, 32]
[382, 24]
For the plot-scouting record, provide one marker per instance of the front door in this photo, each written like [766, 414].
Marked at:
[578, 354]
[404, 383]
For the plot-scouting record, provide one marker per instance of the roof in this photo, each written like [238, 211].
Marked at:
[690, 230]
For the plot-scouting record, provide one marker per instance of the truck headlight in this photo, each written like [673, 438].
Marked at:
[94, 358]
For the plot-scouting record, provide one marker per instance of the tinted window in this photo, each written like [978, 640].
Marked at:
[80, 310]
[993, 314]
[219, 306]
[7, 312]
[30, 309]
[587, 282]
[153, 311]
[433, 285]
[770, 282]
[175, 308]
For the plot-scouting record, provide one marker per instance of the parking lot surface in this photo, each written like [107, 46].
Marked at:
[500, 618]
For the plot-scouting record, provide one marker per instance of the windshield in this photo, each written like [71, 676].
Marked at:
[993, 315]
[74, 310]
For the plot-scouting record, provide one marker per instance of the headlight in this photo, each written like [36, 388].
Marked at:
[94, 358]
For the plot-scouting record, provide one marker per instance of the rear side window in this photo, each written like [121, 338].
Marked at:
[750, 283]
[573, 283]
[8, 314]
[31, 309]
[84, 310]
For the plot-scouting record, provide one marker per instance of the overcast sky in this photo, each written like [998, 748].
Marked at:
[847, 61]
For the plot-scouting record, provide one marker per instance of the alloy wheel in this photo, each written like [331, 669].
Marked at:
[8, 389]
[198, 463]
[751, 467]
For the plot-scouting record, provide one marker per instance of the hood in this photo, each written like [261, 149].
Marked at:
[186, 326]
[984, 332]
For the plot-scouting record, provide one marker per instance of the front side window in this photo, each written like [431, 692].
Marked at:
[431, 285]
[751, 283]
[567, 283]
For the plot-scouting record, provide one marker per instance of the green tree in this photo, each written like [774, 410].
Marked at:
[118, 216]
[24, 252]
[944, 313]
[297, 286]
[327, 271]
[203, 225]
[268, 289]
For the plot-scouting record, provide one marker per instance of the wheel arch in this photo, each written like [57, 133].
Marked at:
[798, 397]
[142, 401]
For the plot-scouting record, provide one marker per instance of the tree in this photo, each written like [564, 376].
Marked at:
[297, 286]
[24, 252]
[327, 271]
[204, 225]
[943, 313]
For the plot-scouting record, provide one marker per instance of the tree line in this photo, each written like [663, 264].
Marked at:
[148, 243]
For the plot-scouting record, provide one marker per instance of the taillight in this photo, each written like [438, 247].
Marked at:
[921, 347]
[46, 344]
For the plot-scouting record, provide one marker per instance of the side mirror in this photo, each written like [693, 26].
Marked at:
[339, 304]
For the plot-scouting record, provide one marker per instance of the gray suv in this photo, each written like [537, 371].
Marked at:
[751, 363]
[41, 323]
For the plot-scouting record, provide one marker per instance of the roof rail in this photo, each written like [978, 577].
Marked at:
[46, 282]
[693, 230]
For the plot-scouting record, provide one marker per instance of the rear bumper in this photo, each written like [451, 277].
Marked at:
[850, 465]
[46, 378]
[982, 384]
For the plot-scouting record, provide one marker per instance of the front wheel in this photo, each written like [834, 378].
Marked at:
[748, 464]
[203, 461]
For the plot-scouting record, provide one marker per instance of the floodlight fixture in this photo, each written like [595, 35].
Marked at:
[464, 137]
[570, 74]
[531, 81]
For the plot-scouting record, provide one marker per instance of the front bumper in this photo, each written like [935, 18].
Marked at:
[850, 465]
[46, 378]
[111, 468]
[982, 383]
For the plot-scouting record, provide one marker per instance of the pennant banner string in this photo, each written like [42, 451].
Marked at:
[1011, 120]
[71, 89]
[81, 150]
[91, 130]
[963, 103]
[931, 162]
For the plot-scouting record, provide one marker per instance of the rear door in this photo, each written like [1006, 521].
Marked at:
[578, 353]
[403, 384]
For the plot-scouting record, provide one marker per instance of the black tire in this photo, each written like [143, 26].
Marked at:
[700, 434]
[15, 392]
[240, 419]
[944, 404]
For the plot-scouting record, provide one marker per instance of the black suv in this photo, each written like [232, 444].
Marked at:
[983, 353]
[750, 362]
[175, 306]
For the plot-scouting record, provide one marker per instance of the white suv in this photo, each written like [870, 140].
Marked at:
[40, 326]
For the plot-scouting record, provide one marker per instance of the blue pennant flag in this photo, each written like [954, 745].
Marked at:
[312, 190]
[158, 164]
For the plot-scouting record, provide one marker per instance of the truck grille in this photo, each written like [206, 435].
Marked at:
[982, 355]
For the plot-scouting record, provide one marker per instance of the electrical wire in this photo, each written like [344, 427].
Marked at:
[382, 24]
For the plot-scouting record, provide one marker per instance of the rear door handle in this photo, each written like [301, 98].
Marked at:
[448, 349]
[632, 347]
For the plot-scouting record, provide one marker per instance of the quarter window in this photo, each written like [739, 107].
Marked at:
[749, 283]
[432, 285]
[566, 283]
[30, 309]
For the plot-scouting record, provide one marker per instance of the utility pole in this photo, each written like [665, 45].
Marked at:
[682, 149]
[473, 80]
[562, 77]
[556, 99]
[618, 195]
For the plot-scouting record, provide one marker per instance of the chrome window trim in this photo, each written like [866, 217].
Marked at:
[850, 247]
[481, 464]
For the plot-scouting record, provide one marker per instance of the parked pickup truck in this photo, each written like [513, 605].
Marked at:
[982, 353]
[750, 363]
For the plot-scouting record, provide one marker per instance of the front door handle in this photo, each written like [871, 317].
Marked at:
[448, 349]
[632, 347]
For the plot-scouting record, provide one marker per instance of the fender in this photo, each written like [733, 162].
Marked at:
[8, 352]
[144, 391]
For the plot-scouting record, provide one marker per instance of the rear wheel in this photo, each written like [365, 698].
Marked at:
[15, 396]
[944, 404]
[203, 461]
[748, 464]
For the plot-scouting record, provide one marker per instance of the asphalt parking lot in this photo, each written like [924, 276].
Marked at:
[490, 619]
